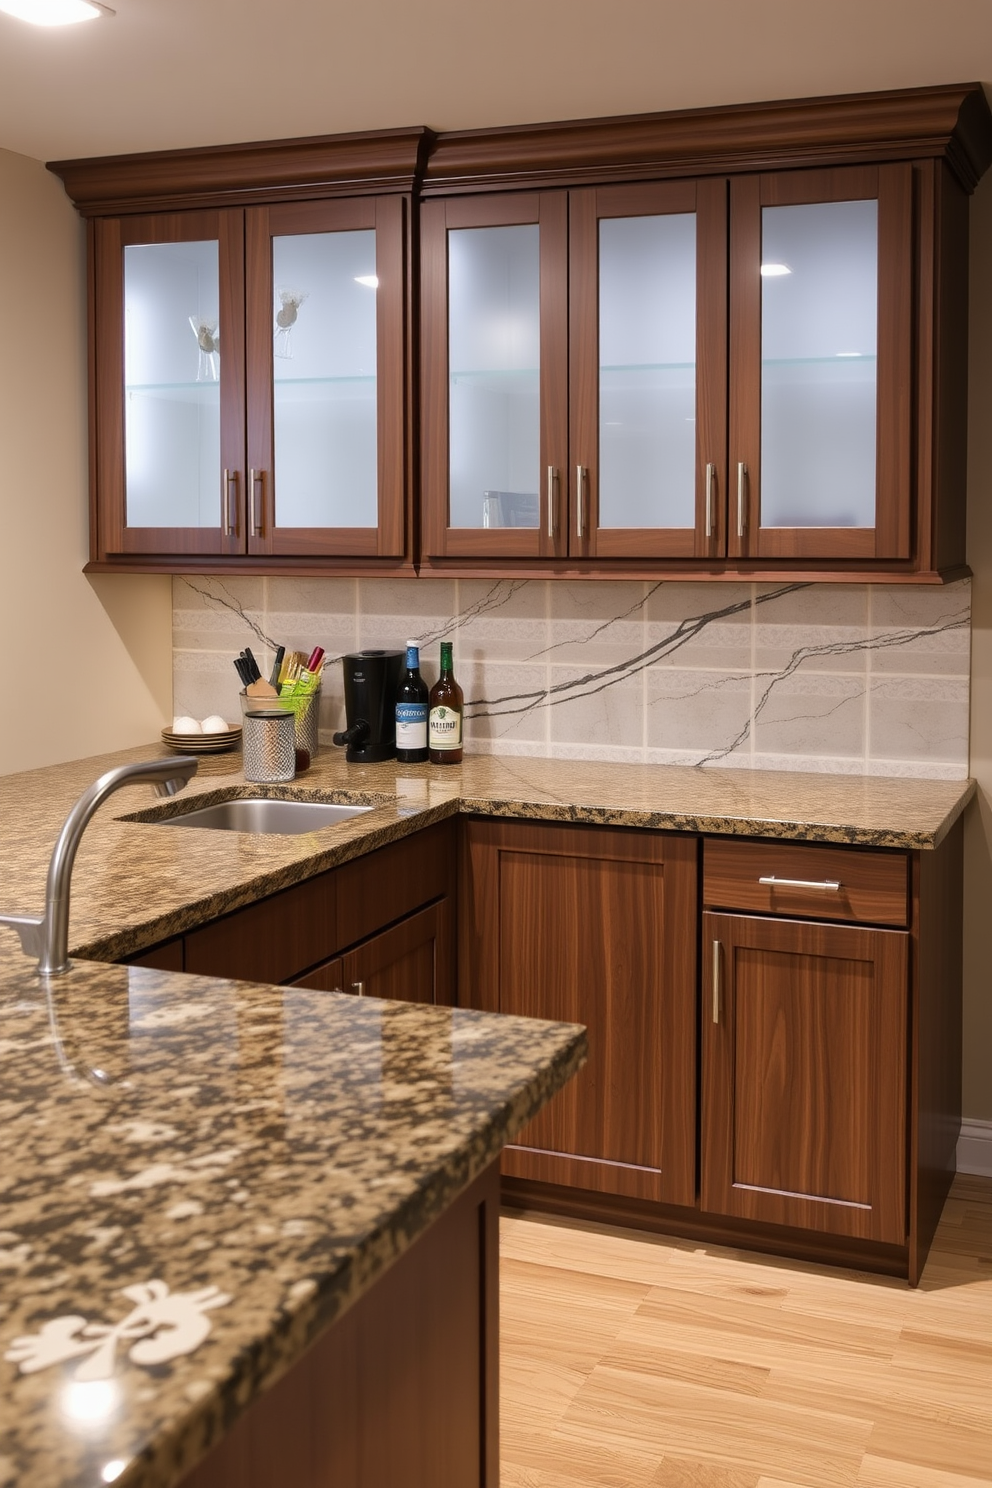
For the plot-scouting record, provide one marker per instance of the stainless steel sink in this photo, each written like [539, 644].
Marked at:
[266, 816]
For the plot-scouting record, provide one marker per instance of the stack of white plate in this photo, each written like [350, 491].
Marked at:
[218, 743]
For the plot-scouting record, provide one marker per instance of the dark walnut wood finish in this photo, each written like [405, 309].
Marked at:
[926, 148]
[385, 920]
[804, 1075]
[830, 1099]
[402, 1389]
[596, 926]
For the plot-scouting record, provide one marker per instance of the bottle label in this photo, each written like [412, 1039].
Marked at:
[411, 725]
[446, 728]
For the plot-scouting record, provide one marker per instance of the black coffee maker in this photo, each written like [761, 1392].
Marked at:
[370, 682]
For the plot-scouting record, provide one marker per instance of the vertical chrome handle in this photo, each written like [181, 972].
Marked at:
[741, 481]
[716, 981]
[358, 987]
[231, 478]
[580, 480]
[552, 503]
[256, 513]
[710, 479]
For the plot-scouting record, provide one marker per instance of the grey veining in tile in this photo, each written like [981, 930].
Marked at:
[579, 652]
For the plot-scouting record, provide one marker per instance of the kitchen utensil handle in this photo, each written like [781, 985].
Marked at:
[741, 483]
[710, 480]
[552, 503]
[256, 481]
[580, 481]
[830, 885]
[716, 981]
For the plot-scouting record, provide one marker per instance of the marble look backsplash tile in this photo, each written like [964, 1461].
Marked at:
[843, 679]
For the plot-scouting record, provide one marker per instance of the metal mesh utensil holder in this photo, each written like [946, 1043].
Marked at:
[268, 743]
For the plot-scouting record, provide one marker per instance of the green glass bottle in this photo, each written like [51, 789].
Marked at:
[445, 718]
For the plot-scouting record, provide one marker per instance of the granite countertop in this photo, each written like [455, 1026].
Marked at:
[277, 1146]
[268, 1150]
[136, 883]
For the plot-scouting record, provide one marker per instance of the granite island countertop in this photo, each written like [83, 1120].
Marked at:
[137, 883]
[269, 1150]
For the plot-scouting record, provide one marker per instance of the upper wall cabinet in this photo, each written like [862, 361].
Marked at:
[720, 343]
[249, 366]
[747, 343]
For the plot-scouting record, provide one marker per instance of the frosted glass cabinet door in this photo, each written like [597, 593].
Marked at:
[648, 369]
[493, 309]
[325, 356]
[171, 337]
[820, 372]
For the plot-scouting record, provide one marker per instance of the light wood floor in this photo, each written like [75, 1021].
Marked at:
[631, 1361]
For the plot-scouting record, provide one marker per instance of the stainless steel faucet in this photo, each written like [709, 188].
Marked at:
[47, 936]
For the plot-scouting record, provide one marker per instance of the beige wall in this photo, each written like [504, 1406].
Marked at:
[87, 661]
[978, 833]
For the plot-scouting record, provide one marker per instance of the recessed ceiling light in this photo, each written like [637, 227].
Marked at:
[55, 12]
[372, 280]
[774, 271]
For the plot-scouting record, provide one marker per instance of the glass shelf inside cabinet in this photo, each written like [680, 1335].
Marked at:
[184, 392]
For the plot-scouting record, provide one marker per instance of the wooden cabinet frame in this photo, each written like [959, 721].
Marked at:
[549, 538]
[890, 537]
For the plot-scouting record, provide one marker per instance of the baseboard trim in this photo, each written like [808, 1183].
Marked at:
[975, 1148]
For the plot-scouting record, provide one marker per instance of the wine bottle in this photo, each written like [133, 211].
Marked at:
[445, 724]
[411, 711]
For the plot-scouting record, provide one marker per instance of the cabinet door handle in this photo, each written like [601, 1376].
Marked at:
[552, 502]
[359, 988]
[231, 478]
[716, 981]
[831, 885]
[710, 481]
[580, 481]
[256, 482]
[741, 483]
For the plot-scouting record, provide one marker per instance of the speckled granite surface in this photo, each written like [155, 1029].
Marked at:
[282, 1147]
[136, 883]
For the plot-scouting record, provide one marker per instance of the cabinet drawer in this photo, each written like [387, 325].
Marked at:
[788, 878]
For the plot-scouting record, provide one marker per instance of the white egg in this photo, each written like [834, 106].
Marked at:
[186, 726]
[214, 724]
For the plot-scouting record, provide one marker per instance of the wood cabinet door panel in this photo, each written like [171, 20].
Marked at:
[387, 216]
[549, 538]
[410, 962]
[804, 1075]
[328, 977]
[111, 236]
[595, 926]
[890, 536]
[706, 201]
[271, 941]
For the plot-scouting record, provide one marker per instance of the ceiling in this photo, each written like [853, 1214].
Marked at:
[168, 73]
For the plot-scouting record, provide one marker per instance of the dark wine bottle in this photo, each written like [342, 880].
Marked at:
[411, 711]
[446, 706]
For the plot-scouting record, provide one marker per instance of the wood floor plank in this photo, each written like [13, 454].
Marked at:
[638, 1362]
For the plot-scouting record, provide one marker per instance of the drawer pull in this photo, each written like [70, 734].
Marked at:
[716, 981]
[830, 885]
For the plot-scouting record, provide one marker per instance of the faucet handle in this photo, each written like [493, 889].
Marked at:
[29, 928]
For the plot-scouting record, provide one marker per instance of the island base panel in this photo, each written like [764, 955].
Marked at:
[403, 1389]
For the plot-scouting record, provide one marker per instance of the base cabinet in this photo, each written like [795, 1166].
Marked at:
[410, 962]
[382, 925]
[595, 926]
[803, 1110]
[403, 1389]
